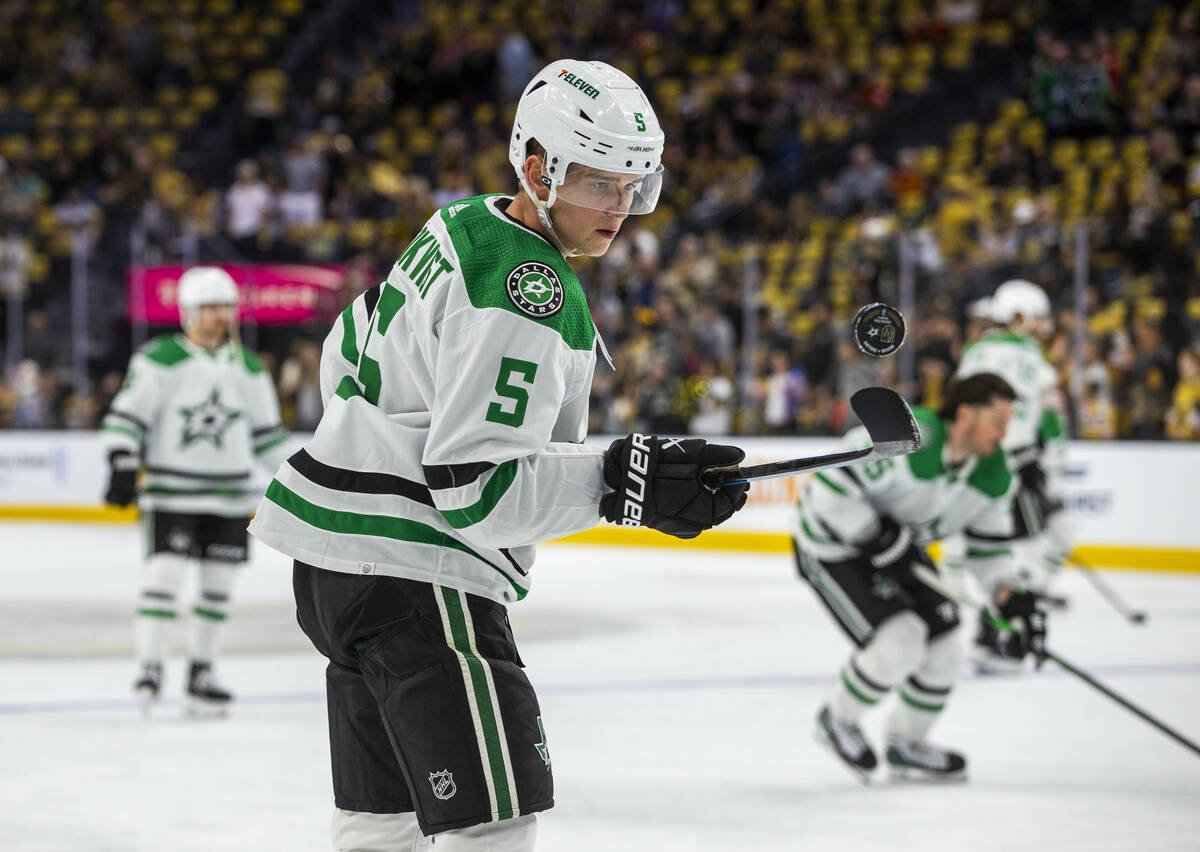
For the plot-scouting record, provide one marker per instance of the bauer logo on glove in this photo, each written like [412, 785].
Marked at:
[656, 483]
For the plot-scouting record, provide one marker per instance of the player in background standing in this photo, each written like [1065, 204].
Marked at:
[456, 406]
[1035, 445]
[860, 532]
[196, 411]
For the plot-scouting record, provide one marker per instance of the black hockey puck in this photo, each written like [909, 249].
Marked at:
[878, 329]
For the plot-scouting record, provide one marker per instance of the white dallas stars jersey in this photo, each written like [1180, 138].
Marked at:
[1019, 361]
[457, 395]
[842, 507]
[1035, 426]
[198, 420]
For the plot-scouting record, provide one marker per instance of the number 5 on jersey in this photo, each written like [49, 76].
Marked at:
[510, 409]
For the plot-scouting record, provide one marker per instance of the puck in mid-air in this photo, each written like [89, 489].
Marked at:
[878, 329]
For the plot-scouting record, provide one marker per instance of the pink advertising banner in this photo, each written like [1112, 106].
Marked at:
[277, 294]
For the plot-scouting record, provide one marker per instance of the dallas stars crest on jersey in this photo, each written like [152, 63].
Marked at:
[450, 464]
[199, 420]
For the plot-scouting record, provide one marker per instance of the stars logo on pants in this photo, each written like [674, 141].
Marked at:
[207, 421]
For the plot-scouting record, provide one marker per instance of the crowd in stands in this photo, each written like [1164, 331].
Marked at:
[343, 157]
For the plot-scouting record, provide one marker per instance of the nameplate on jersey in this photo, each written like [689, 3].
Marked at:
[535, 289]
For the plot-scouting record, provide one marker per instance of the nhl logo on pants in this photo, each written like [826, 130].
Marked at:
[443, 784]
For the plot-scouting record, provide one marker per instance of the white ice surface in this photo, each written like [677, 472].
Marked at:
[678, 691]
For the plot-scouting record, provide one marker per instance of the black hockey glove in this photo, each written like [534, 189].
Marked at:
[656, 483]
[1028, 620]
[893, 550]
[122, 481]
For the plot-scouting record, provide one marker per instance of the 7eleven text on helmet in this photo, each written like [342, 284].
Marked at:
[602, 140]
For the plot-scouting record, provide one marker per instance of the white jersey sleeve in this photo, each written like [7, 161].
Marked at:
[134, 410]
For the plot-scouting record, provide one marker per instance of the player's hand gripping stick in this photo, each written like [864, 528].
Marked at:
[656, 483]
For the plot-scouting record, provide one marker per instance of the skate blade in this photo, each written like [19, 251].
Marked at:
[997, 666]
[863, 776]
[916, 775]
[201, 708]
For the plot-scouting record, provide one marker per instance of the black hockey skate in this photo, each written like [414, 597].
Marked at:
[148, 685]
[205, 697]
[917, 759]
[846, 741]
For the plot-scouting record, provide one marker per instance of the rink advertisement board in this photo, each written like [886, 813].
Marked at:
[281, 294]
[1120, 494]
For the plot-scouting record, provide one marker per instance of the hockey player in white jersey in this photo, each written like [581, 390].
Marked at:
[860, 532]
[1035, 445]
[196, 412]
[457, 394]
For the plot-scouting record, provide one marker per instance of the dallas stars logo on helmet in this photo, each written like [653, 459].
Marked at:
[535, 289]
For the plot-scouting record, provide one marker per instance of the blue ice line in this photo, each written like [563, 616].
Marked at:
[616, 686]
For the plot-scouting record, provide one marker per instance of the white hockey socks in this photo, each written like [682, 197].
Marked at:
[357, 831]
[158, 605]
[924, 693]
[507, 835]
[895, 649]
[211, 608]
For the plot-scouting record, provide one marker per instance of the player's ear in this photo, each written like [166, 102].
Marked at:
[533, 176]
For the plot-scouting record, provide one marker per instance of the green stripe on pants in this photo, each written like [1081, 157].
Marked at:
[481, 694]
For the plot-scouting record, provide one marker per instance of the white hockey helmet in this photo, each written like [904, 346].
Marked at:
[205, 285]
[1019, 297]
[594, 116]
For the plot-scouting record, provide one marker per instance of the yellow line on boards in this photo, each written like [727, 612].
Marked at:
[87, 514]
[1145, 558]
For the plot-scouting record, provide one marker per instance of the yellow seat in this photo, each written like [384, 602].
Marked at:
[32, 98]
[48, 147]
[270, 27]
[164, 145]
[1099, 151]
[150, 118]
[64, 99]
[84, 119]
[1064, 154]
[117, 118]
[169, 96]
[185, 119]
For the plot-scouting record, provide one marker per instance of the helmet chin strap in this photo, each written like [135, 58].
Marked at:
[543, 212]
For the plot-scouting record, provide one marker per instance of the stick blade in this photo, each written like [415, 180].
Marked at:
[889, 421]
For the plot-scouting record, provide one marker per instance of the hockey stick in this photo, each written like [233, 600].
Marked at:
[930, 578]
[887, 419]
[1109, 593]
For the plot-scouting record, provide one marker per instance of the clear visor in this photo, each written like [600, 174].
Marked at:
[611, 192]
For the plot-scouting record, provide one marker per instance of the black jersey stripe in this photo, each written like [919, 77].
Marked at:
[371, 299]
[141, 424]
[188, 474]
[441, 476]
[340, 479]
[970, 533]
[515, 564]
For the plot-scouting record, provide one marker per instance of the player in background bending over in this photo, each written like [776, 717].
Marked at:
[456, 403]
[860, 532]
[1035, 445]
[196, 412]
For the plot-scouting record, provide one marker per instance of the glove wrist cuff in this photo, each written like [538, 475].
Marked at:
[893, 552]
[634, 501]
